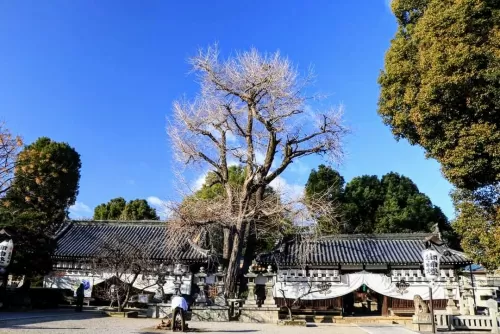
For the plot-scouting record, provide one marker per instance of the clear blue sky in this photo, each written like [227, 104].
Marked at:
[102, 75]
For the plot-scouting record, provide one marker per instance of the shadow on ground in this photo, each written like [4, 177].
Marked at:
[25, 319]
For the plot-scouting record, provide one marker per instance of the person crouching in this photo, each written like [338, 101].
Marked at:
[179, 308]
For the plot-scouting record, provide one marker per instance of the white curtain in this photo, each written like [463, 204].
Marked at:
[379, 283]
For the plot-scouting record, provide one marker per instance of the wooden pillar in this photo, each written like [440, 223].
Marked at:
[385, 306]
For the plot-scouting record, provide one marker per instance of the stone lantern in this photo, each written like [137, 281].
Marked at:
[251, 298]
[202, 281]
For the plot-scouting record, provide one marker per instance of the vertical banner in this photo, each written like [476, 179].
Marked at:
[431, 260]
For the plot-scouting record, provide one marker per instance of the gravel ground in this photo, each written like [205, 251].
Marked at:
[94, 323]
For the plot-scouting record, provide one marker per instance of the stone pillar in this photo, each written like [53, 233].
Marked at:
[451, 308]
[493, 312]
[269, 301]
[464, 300]
[251, 299]
[201, 300]
[220, 299]
[178, 274]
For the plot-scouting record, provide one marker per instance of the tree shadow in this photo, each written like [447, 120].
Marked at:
[42, 317]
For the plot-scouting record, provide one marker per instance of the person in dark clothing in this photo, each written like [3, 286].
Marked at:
[79, 298]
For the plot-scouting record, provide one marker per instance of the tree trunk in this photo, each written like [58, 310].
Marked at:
[118, 301]
[233, 264]
[251, 240]
[228, 244]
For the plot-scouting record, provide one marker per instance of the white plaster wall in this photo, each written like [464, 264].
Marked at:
[72, 279]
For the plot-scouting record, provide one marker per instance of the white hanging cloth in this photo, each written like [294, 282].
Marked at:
[379, 283]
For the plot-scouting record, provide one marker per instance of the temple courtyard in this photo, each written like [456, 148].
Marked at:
[94, 322]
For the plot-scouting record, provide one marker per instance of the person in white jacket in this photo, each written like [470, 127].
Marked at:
[179, 308]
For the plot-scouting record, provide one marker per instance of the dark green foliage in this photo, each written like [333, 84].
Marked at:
[440, 89]
[111, 210]
[45, 185]
[119, 209]
[212, 190]
[45, 182]
[392, 204]
[325, 182]
[139, 209]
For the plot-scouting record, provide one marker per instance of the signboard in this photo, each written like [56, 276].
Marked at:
[6, 248]
[431, 264]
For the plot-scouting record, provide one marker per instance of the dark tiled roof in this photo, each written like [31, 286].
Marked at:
[85, 239]
[393, 249]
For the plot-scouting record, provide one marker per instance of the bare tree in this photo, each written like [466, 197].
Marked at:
[251, 110]
[302, 255]
[9, 150]
[121, 262]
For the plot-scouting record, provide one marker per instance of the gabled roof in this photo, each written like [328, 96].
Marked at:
[85, 240]
[392, 249]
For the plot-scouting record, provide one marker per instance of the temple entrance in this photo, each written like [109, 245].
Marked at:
[363, 302]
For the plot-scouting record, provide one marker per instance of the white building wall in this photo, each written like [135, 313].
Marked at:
[71, 279]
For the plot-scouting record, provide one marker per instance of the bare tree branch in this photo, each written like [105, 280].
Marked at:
[249, 106]
[9, 150]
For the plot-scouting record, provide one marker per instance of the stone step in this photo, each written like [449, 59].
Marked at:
[353, 320]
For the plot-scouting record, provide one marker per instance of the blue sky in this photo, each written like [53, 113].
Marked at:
[102, 76]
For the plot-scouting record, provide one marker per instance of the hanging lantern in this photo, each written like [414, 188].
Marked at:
[431, 260]
[6, 248]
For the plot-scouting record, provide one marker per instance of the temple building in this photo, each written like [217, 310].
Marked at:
[362, 274]
[341, 274]
[92, 252]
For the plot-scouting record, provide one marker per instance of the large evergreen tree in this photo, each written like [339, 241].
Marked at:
[392, 204]
[45, 182]
[440, 89]
[36, 205]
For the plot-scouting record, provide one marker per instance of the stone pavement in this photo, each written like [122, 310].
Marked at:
[94, 322]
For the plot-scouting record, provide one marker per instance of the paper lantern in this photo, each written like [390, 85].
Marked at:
[431, 264]
[6, 248]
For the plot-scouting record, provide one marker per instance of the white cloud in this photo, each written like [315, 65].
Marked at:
[199, 182]
[289, 191]
[230, 137]
[161, 206]
[299, 167]
[79, 210]
[259, 157]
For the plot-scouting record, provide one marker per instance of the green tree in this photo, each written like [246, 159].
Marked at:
[405, 208]
[45, 182]
[325, 182]
[111, 210]
[213, 190]
[36, 205]
[329, 184]
[478, 214]
[363, 196]
[118, 208]
[139, 209]
[440, 89]
[392, 204]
